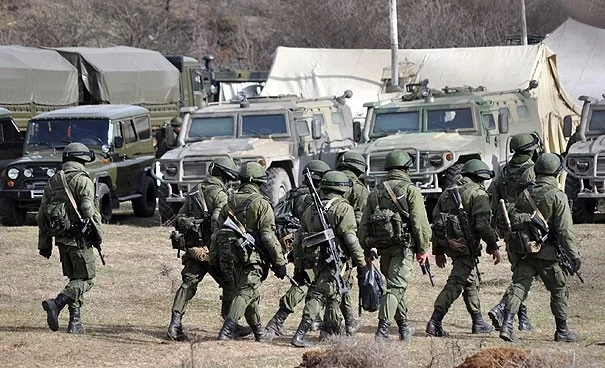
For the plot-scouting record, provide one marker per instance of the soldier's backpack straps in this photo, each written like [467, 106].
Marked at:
[401, 201]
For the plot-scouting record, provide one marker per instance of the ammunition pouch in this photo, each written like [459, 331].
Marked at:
[312, 246]
[528, 233]
[178, 240]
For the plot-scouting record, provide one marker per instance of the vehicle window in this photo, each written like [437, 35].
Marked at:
[143, 127]
[522, 111]
[59, 133]
[489, 122]
[128, 132]
[449, 119]
[208, 127]
[503, 116]
[302, 128]
[394, 122]
[337, 117]
[597, 120]
[8, 132]
[260, 125]
[196, 82]
[319, 117]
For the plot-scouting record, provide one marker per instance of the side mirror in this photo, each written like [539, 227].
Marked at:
[316, 129]
[567, 126]
[356, 131]
[503, 122]
[118, 142]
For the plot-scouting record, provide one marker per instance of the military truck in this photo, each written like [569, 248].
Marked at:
[120, 136]
[443, 129]
[282, 133]
[585, 161]
[11, 139]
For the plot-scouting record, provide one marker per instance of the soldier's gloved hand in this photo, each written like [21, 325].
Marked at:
[440, 260]
[301, 277]
[46, 253]
[577, 263]
[496, 256]
[280, 271]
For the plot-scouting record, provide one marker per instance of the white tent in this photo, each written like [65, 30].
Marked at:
[580, 50]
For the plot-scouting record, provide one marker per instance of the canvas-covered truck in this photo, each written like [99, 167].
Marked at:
[585, 162]
[120, 136]
[282, 133]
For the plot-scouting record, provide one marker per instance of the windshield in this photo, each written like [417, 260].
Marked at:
[395, 122]
[597, 120]
[449, 120]
[60, 133]
[260, 125]
[211, 127]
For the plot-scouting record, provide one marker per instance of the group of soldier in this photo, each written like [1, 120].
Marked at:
[232, 236]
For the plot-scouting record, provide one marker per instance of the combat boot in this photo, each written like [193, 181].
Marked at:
[524, 323]
[53, 307]
[479, 325]
[226, 332]
[318, 324]
[563, 333]
[506, 331]
[175, 329]
[75, 324]
[242, 331]
[434, 327]
[352, 323]
[276, 324]
[406, 330]
[298, 339]
[496, 314]
[261, 334]
[382, 332]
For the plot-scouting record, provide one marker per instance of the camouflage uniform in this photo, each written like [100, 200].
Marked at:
[77, 257]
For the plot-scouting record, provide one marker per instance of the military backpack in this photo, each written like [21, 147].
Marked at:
[389, 223]
[448, 231]
[56, 220]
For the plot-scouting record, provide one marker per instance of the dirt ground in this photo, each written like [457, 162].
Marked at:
[127, 312]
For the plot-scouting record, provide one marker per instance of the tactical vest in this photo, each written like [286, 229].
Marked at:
[59, 214]
[509, 183]
[388, 226]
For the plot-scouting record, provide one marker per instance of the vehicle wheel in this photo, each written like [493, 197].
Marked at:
[11, 215]
[452, 175]
[582, 209]
[278, 184]
[168, 210]
[106, 208]
[145, 205]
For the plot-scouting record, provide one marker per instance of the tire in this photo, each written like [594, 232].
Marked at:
[452, 175]
[278, 184]
[168, 210]
[11, 215]
[105, 203]
[582, 209]
[145, 205]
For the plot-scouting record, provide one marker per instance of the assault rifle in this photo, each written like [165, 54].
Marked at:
[467, 229]
[334, 256]
[86, 231]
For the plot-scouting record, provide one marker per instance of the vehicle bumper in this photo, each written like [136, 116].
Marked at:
[22, 195]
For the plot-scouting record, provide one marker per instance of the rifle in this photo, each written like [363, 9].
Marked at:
[426, 270]
[249, 243]
[334, 257]
[467, 229]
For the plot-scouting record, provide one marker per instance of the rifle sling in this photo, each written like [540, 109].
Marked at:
[533, 205]
[69, 194]
[394, 199]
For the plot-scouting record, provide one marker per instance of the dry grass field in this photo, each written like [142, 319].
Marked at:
[126, 314]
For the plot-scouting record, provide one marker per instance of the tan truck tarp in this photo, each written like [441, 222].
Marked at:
[124, 75]
[36, 76]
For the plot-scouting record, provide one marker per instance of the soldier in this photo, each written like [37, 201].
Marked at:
[396, 224]
[353, 164]
[511, 181]
[471, 194]
[334, 187]
[203, 203]
[301, 201]
[241, 262]
[162, 144]
[547, 201]
[68, 200]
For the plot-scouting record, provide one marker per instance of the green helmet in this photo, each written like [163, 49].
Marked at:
[353, 161]
[398, 160]
[335, 181]
[524, 142]
[254, 172]
[223, 166]
[317, 168]
[78, 152]
[548, 164]
[176, 121]
[477, 168]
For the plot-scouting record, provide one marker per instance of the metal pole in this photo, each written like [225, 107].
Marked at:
[394, 45]
[523, 24]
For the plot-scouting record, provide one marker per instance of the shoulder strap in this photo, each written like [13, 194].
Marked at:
[69, 193]
[396, 199]
[533, 205]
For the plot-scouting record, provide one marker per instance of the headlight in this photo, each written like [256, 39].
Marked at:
[28, 173]
[436, 161]
[50, 172]
[583, 165]
[171, 169]
[13, 173]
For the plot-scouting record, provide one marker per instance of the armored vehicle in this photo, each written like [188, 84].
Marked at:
[585, 161]
[11, 139]
[445, 128]
[282, 133]
[120, 136]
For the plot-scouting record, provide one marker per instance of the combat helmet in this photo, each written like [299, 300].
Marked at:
[548, 164]
[335, 181]
[176, 121]
[253, 172]
[398, 159]
[353, 161]
[78, 152]
[317, 168]
[223, 166]
[477, 168]
[524, 142]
